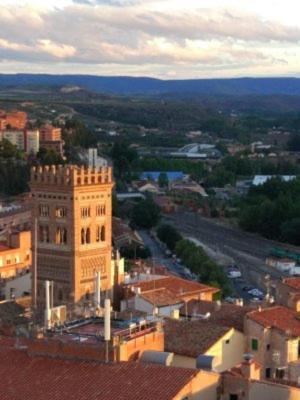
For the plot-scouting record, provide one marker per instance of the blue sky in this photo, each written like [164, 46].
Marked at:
[160, 38]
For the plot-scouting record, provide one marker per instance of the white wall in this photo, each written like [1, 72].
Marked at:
[20, 284]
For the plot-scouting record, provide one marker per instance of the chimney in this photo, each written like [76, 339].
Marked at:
[47, 318]
[250, 369]
[97, 295]
[107, 320]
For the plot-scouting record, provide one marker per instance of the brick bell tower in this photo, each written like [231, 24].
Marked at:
[71, 220]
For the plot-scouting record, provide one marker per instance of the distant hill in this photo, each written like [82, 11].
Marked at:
[143, 85]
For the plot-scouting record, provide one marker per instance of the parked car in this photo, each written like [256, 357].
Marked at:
[255, 292]
[234, 273]
[247, 288]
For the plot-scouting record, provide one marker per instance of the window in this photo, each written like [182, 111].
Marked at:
[60, 212]
[268, 347]
[85, 212]
[102, 233]
[44, 234]
[254, 344]
[100, 210]
[82, 236]
[268, 373]
[98, 233]
[227, 341]
[280, 373]
[88, 236]
[44, 210]
[85, 236]
[233, 397]
[61, 236]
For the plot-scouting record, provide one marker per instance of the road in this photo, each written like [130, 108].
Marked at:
[246, 250]
[159, 256]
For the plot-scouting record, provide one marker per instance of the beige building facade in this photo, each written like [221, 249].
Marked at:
[71, 220]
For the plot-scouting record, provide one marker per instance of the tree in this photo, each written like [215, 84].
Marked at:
[145, 214]
[49, 157]
[290, 231]
[123, 157]
[169, 235]
[8, 150]
[294, 143]
[163, 180]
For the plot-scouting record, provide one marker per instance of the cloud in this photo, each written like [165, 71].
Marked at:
[91, 33]
[58, 50]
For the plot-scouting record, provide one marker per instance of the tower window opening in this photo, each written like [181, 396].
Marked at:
[102, 233]
[88, 236]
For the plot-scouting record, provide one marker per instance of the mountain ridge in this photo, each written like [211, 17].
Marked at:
[127, 85]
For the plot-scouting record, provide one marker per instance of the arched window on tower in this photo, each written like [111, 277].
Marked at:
[102, 233]
[58, 236]
[82, 236]
[64, 236]
[88, 236]
[41, 234]
[98, 233]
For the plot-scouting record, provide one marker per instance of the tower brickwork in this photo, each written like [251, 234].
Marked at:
[71, 220]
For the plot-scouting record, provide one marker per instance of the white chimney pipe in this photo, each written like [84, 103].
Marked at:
[97, 295]
[47, 306]
[107, 320]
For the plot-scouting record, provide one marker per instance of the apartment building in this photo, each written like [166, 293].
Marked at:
[273, 337]
[15, 254]
[25, 140]
[288, 293]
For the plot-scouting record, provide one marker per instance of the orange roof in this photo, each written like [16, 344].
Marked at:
[177, 286]
[279, 317]
[34, 378]
[292, 282]
[192, 338]
[4, 247]
[237, 370]
[224, 314]
[161, 297]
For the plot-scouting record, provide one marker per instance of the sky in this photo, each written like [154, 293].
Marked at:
[168, 39]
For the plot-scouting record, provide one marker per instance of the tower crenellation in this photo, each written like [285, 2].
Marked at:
[70, 175]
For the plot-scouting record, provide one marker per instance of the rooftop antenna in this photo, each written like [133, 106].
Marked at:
[107, 333]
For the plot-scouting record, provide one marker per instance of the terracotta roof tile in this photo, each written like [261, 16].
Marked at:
[161, 297]
[279, 317]
[192, 338]
[36, 378]
[177, 286]
[293, 282]
[224, 314]
[4, 247]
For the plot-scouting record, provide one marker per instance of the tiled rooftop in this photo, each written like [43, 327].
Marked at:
[177, 286]
[161, 297]
[192, 338]
[281, 318]
[4, 247]
[293, 282]
[237, 370]
[225, 314]
[35, 378]
[12, 313]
